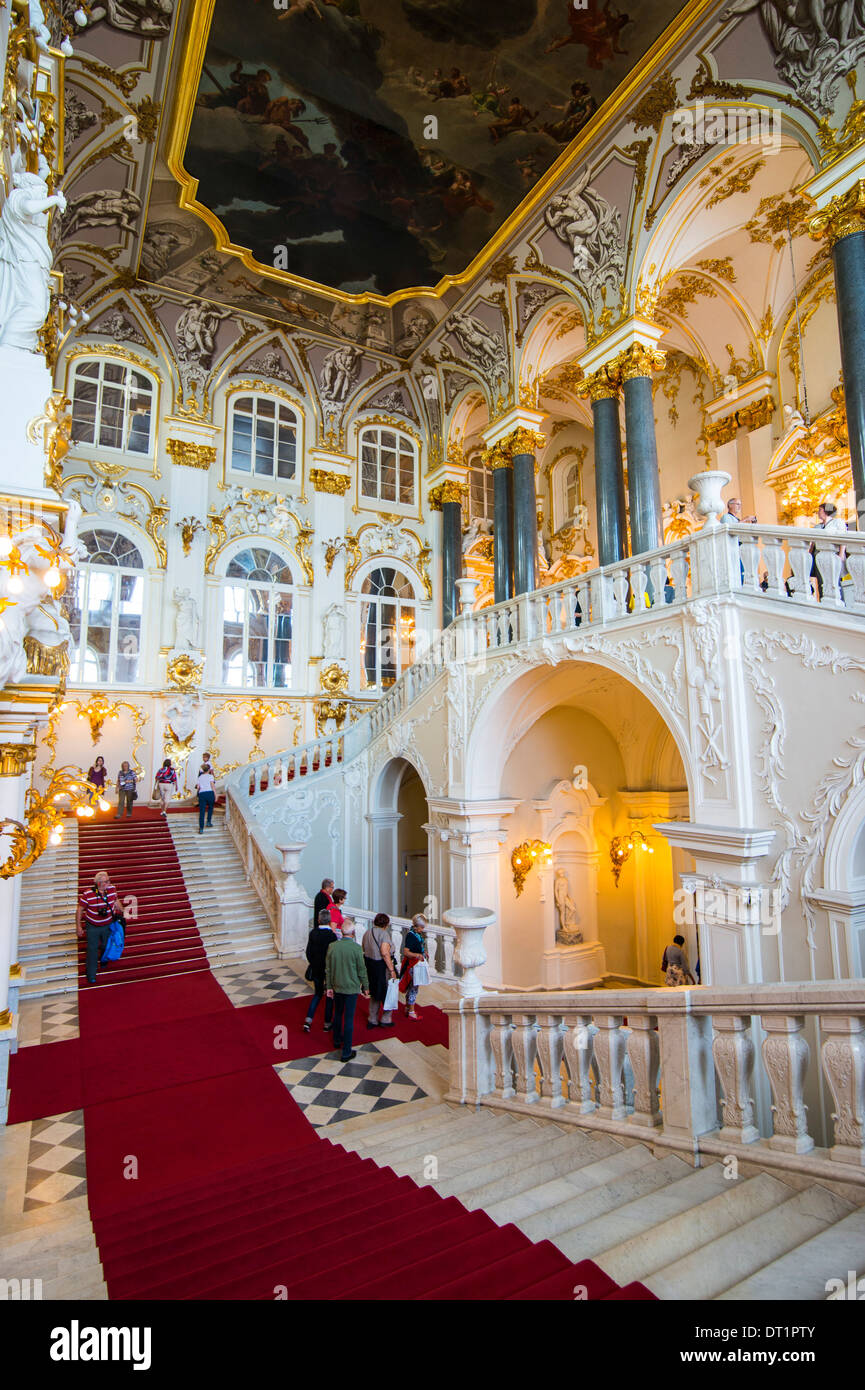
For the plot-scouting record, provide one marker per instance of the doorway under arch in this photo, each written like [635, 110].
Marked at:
[400, 869]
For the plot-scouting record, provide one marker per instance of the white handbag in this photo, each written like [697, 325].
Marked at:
[391, 998]
[420, 973]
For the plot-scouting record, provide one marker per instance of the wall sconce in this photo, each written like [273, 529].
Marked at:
[621, 847]
[525, 856]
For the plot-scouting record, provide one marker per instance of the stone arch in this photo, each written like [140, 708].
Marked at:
[398, 812]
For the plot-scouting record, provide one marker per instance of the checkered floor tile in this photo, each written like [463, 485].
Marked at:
[55, 1162]
[60, 1019]
[328, 1090]
[261, 984]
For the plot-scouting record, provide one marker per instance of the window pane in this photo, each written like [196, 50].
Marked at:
[368, 480]
[265, 408]
[282, 640]
[129, 628]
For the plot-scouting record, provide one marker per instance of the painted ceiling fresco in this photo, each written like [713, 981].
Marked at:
[311, 137]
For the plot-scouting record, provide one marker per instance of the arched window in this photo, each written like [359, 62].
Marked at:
[112, 407]
[572, 489]
[480, 506]
[387, 627]
[263, 438]
[105, 610]
[256, 621]
[387, 465]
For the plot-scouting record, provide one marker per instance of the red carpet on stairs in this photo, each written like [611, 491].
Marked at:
[205, 1179]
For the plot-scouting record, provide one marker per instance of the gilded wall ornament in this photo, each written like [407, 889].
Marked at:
[323, 481]
[334, 679]
[257, 711]
[15, 757]
[184, 673]
[66, 791]
[525, 857]
[722, 431]
[759, 413]
[188, 528]
[658, 101]
[188, 455]
[46, 661]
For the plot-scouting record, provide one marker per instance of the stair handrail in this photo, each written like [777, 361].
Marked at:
[441, 940]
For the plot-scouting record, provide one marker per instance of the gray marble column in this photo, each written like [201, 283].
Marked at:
[848, 254]
[503, 524]
[644, 484]
[452, 568]
[525, 513]
[609, 475]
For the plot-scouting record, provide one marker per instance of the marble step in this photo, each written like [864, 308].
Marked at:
[802, 1274]
[560, 1220]
[694, 1228]
[382, 1127]
[406, 1149]
[549, 1194]
[363, 1124]
[437, 1062]
[468, 1154]
[643, 1214]
[383, 1141]
[505, 1179]
[733, 1257]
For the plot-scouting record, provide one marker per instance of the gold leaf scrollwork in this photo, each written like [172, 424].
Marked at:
[184, 673]
[43, 812]
[323, 481]
[189, 455]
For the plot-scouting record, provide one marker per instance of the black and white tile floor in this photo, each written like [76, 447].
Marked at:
[329, 1090]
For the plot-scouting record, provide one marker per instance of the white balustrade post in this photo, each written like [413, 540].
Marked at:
[828, 561]
[733, 1051]
[472, 1062]
[525, 1047]
[688, 1092]
[550, 1044]
[578, 1045]
[843, 1058]
[610, 1056]
[470, 923]
[501, 1029]
[785, 1057]
[644, 1052]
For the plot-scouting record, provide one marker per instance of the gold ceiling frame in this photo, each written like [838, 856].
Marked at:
[186, 89]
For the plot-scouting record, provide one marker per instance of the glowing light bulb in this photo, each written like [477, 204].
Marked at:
[7, 545]
[55, 837]
[81, 811]
[89, 811]
[644, 848]
[53, 577]
[66, 49]
[103, 804]
[80, 17]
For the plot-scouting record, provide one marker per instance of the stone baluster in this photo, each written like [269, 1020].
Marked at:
[733, 1051]
[609, 1048]
[799, 559]
[829, 563]
[603, 598]
[550, 1042]
[449, 948]
[578, 1045]
[579, 611]
[679, 567]
[432, 946]
[785, 1057]
[843, 1058]
[620, 592]
[749, 554]
[639, 585]
[658, 579]
[856, 570]
[525, 1046]
[774, 559]
[645, 1055]
[501, 1030]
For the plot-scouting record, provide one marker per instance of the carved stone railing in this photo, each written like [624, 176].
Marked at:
[696, 1067]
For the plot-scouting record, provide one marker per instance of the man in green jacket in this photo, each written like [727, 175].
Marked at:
[345, 977]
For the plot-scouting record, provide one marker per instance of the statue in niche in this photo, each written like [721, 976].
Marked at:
[568, 933]
[187, 627]
[591, 227]
[333, 632]
[25, 260]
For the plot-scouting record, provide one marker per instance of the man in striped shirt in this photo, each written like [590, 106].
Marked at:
[97, 908]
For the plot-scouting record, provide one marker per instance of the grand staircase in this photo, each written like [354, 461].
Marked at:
[232, 922]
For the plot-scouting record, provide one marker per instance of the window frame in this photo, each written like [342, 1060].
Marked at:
[128, 366]
[364, 598]
[293, 589]
[78, 652]
[378, 427]
[280, 401]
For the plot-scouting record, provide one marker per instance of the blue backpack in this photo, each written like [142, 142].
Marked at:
[116, 942]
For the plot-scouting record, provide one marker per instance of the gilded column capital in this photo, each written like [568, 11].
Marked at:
[524, 441]
[189, 455]
[448, 491]
[842, 217]
[639, 360]
[14, 758]
[757, 414]
[602, 385]
[496, 457]
[723, 430]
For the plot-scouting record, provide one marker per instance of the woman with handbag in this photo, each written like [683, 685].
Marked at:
[127, 783]
[415, 971]
[380, 969]
[165, 784]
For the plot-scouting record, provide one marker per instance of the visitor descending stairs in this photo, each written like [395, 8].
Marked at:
[196, 906]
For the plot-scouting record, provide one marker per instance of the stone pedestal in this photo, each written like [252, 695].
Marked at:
[574, 967]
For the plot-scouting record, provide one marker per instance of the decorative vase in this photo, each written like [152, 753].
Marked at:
[468, 588]
[708, 486]
[469, 923]
[290, 863]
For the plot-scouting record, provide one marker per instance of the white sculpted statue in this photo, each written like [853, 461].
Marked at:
[568, 933]
[339, 373]
[25, 260]
[188, 626]
[333, 624]
[814, 41]
[182, 715]
[592, 228]
[481, 345]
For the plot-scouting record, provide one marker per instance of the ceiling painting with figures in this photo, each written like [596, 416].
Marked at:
[372, 146]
